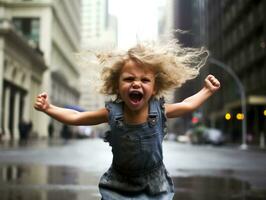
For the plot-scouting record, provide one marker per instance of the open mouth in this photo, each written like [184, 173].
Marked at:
[135, 96]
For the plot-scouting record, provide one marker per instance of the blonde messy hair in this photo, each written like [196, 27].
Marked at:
[173, 64]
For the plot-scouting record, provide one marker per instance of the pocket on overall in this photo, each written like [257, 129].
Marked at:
[127, 153]
[151, 151]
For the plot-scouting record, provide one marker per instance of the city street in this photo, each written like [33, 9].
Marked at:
[71, 170]
[207, 58]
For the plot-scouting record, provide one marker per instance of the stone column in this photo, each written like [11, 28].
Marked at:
[16, 116]
[1, 80]
[4, 173]
[27, 98]
[6, 113]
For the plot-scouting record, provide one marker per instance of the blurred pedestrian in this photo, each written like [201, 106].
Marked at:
[1, 135]
[51, 130]
[137, 118]
[24, 130]
[65, 132]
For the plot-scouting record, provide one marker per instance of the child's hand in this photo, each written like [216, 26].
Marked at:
[42, 103]
[211, 83]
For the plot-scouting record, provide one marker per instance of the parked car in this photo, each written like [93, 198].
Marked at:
[183, 138]
[171, 137]
[84, 132]
[196, 134]
[203, 135]
[213, 136]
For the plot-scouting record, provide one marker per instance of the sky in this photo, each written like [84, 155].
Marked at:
[137, 19]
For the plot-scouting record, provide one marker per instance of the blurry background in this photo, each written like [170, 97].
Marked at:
[38, 39]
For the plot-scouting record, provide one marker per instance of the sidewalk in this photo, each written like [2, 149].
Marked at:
[45, 143]
[250, 147]
[34, 143]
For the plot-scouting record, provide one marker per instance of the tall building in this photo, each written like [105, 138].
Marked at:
[236, 33]
[98, 27]
[166, 18]
[99, 31]
[53, 26]
[182, 20]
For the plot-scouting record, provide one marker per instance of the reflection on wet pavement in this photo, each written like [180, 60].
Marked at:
[218, 188]
[38, 182]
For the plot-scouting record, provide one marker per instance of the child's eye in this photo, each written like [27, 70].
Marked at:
[128, 79]
[145, 80]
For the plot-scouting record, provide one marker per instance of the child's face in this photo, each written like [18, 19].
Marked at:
[136, 85]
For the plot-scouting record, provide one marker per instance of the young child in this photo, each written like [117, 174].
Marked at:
[139, 77]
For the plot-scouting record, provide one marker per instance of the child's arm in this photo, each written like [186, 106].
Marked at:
[68, 116]
[193, 102]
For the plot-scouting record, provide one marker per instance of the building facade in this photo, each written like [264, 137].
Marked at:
[234, 32]
[21, 70]
[53, 27]
[236, 35]
[182, 21]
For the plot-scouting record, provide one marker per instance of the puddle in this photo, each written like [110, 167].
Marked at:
[38, 182]
[215, 188]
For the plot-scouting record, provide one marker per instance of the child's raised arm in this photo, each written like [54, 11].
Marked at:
[193, 102]
[68, 116]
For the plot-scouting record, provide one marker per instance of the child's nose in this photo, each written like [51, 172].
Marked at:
[136, 84]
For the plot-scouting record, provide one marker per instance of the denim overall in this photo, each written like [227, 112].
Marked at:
[137, 170]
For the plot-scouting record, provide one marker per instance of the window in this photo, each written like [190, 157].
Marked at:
[29, 27]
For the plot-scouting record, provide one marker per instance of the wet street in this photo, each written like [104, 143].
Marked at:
[71, 170]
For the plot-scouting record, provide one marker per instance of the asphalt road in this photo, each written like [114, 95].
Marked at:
[49, 170]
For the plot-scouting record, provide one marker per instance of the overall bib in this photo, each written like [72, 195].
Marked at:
[137, 170]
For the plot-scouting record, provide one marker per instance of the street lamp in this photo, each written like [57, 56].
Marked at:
[242, 95]
[227, 116]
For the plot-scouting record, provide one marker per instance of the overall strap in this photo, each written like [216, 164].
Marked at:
[163, 115]
[115, 113]
[153, 112]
